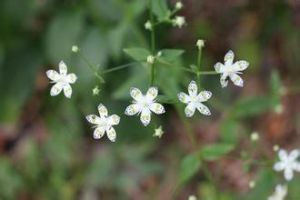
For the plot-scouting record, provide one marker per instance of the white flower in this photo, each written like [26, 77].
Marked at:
[96, 90]
[150, 59]
[75, 48]
[254, 136]
[192, 197]
[179, 21]
[288, 163]
[144, 104]
[231, 70]
[178, 5]
[200, 44]
[194, 100]
[148, 25]
[104, 123]
[158, 132]
[62, 80]
[280, 193]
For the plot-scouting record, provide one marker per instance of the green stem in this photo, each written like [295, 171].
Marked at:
[152, 66]
[199, 67]
[117, 68]
[92, 67]
[152, 74]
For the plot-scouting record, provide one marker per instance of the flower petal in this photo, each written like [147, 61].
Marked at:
[152, 93]
[98, 133]
[189, 110]
[53, 75]
[183, 97]
[102, 110]
[145, 117]
[283, 155]
[219, 67]
[63, 69]
[279, 166]
[288, 174]
[111, 134]
[93, 119]
[228, 58]
[157, 108]
[56, 89]
[223, 80]
[68, 90]
[203, 109]
[236, 79]
[192, 88]
[71, 78]
[240, 65]
[294, 154]
[136, 94]
[204, 95]
[114, 119]
[132, 109]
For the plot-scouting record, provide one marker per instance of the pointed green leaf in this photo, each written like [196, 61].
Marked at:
[138, 54]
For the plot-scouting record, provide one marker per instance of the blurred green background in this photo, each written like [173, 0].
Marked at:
[46, 145]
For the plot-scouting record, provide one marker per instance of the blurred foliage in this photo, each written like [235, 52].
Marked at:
[46, 146]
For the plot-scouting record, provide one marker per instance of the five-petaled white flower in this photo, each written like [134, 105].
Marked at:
[288, 163]
[62, 80]
[231, 70]
[104, 123]
[280, 193]
[144, 104]
[179, 21]
[194, 100]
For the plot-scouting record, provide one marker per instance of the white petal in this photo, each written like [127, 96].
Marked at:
[189, 110]
[63, 68]
[93, 119]
[102, 110]
[219, 67]
[157, 108]
[229, 56]
[152, 93]
[145, 117]
[132, 109]
[111, 134]
[114, 119]
[294, 154]
[236, 79]
[71, 78]
[136, 94]
[279, 166]
[203, 109]
[184, 98]
[98, 133]
[53, 75]
[56, 89]
[223, 80]
[283, 155]
[193, 89]
[204, 95]
[288, 174]
[240, 65]
[68, 90]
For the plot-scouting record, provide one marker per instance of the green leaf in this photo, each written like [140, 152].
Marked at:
[189, 167]
[160, 9]
[214, 151]
[138, 54]
[228, 129]
[170, 55]
[252, 106]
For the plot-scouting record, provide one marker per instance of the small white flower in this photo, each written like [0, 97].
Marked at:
[96, 90]
[231, 70]
[194, 100]
[158, 132]
[254, 136]
[104, 123]
[192, 197]
[252, 184]
[200, 44]
[148, 25]
[288, 163]
[276, 147]
[62, 80]
[150, 59]
[280, 193]
[179, 21]
[144, 104]
[178, 5]
[75, 48]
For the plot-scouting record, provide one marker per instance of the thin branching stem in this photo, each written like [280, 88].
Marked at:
[117, 68]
